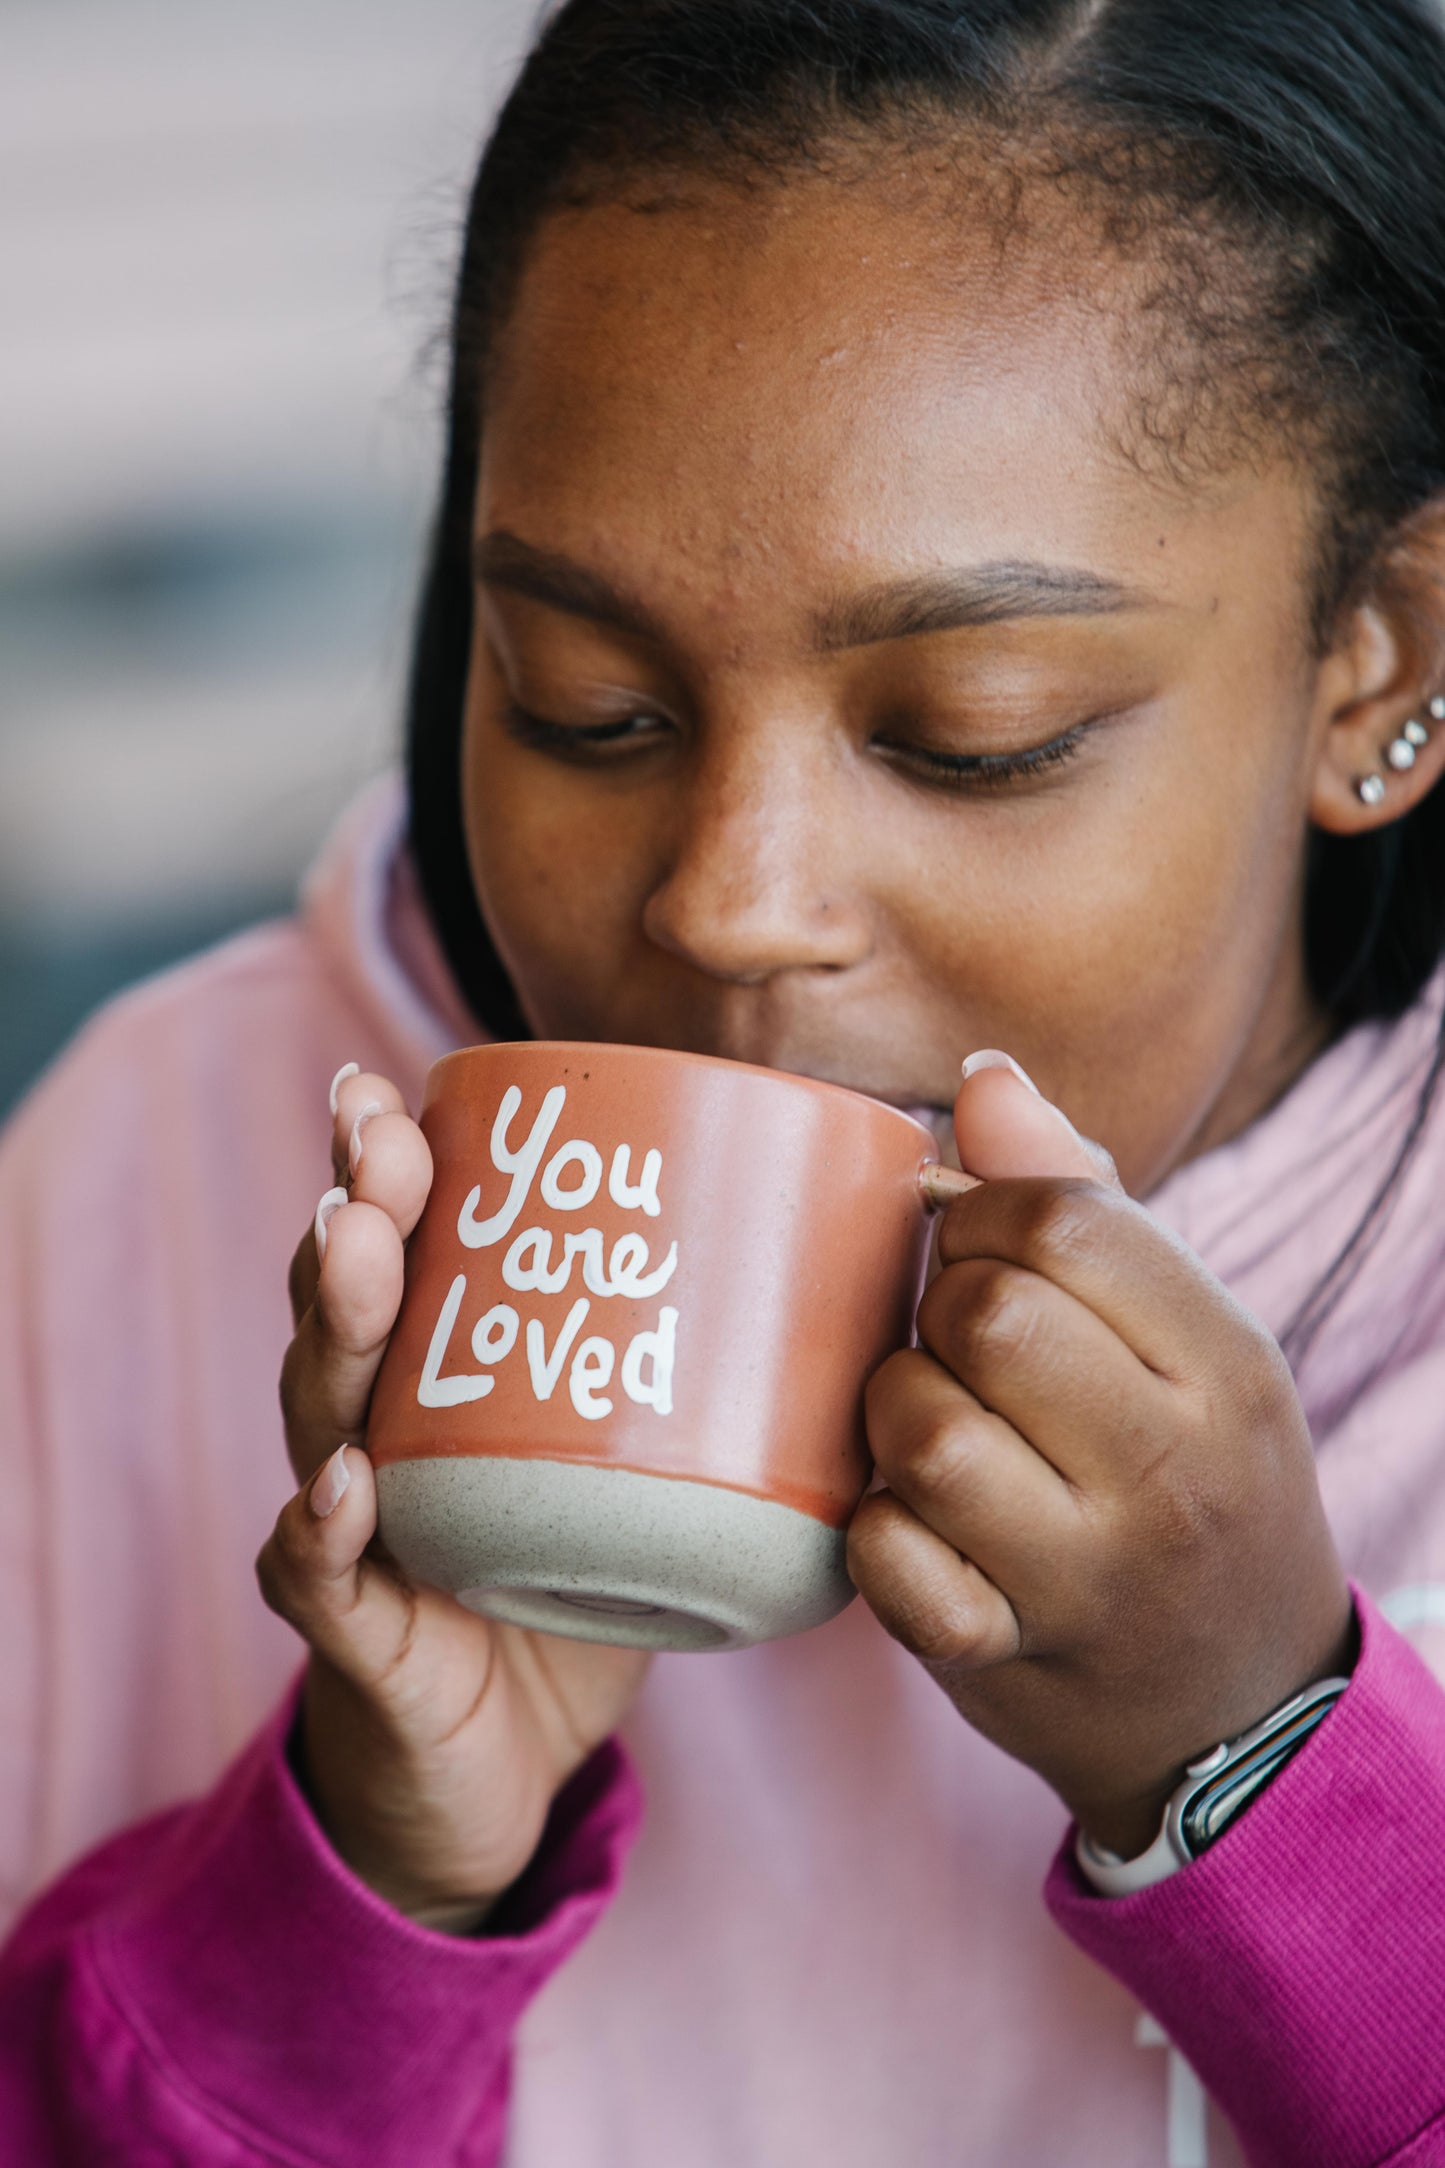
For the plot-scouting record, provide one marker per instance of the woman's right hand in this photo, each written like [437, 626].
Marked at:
[434, 1741]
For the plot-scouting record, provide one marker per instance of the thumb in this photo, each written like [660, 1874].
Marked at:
[1006, 1128]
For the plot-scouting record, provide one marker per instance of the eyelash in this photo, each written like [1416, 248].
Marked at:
[992, 771]
[951, 771]
[565, 740]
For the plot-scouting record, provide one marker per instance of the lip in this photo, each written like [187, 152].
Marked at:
[928, 1111]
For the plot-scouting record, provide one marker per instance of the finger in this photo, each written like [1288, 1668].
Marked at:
[940, 1606]
[1052, 1370]
[392, 1168]
[331, 1364]
[967, 1474]
[1004, 1127]
[313, 1572]
[1107, 1252]
[359, 1098]
[378, 1155]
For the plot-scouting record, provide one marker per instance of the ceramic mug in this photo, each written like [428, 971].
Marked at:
[624, 1397]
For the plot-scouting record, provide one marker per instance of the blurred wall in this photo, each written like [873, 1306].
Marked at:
[226, 237]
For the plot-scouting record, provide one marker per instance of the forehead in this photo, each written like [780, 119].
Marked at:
[825, 375]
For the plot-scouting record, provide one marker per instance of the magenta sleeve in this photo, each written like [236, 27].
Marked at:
[215, 1986]
[1299, 1964]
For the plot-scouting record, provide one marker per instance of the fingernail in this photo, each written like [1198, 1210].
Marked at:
[990, 1057]
[329, 1488]
[330, 1204]
[348, 1068]
[353, 1153]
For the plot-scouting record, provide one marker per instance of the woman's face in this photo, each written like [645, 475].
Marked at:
[842, 700]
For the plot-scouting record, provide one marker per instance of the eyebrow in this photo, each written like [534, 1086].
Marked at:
[949, 601]
[986, 594]
[500, 559]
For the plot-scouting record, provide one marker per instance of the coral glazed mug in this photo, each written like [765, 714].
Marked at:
[624, 1397]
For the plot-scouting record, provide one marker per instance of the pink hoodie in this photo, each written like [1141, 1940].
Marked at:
[829, 1947]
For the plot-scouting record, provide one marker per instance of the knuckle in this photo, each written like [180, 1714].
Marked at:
[922, 1593]
[922, 1634]
[889, 1376]
[937, 1459]
[941, 1627]
[991, 1319]
[281, 1570]
[1061, 1219]
[1190, 1515]
[1267, 1388]
[955, 1640]
[921, 1615]
[273, 1580]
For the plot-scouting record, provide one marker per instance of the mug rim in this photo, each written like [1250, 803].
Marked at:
[680, 1054]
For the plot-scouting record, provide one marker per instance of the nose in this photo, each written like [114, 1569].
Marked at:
[764, 876]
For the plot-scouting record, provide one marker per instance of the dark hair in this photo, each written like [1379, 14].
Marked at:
[1307, 137]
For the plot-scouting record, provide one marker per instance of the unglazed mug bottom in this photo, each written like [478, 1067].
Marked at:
[608, 1554]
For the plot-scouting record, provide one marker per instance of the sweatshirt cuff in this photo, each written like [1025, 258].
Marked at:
[1296, 1963]
[285, 1996]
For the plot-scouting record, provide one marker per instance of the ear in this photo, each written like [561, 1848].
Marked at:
[1382, 686]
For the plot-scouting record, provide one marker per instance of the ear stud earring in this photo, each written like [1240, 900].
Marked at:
[1400, 752]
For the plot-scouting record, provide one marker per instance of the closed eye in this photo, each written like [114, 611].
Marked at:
[581, 741]
[584, 742]
[987, 771]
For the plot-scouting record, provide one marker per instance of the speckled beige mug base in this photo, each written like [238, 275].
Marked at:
[604, 1554]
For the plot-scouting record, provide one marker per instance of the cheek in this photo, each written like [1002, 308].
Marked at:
[1120, 935]
[1100, 886]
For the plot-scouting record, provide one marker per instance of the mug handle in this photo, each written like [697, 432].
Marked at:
[942, 1186]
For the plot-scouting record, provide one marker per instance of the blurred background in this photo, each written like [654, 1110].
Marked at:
[225, 247]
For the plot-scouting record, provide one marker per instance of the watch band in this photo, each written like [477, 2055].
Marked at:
[1215, 1792]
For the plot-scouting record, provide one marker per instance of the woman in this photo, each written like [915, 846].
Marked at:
[939, 551]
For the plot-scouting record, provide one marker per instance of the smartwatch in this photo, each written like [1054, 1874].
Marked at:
[1216, 1790]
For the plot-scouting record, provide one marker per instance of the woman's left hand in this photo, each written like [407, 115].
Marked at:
[1102, 1531]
